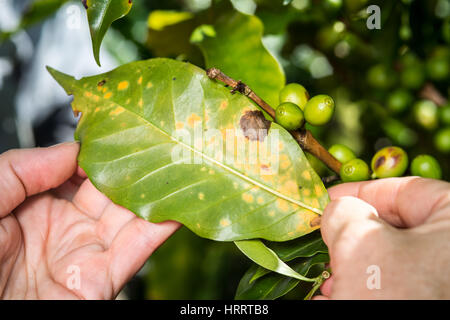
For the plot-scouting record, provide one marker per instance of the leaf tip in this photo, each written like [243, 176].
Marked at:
[63, 79]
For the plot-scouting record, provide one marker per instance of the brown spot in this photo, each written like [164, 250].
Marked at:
[380, 162]
[85, 4]
[101, 83]
[315, 222]
[254, 126]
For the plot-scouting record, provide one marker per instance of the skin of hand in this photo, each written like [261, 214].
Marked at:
[54, 223]
[397, 230]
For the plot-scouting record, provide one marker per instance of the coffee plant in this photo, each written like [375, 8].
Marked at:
[359, 104]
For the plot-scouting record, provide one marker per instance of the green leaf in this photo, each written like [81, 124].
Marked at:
[133, 150]
[273, 285]
[237, 50]
[101, 14]
[305, 246]
[259, 253]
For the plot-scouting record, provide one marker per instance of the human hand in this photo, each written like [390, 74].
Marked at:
[53, 221]
[409, 243]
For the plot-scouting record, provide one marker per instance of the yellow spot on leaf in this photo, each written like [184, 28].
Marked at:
[211, 171]
[123, 124]
[122, 85]
[149, 85]
[141, 103]
[117, 111]
[193, 119]
[260, 200]
[306, 192]
[318, 190]
[201, 196]
[179, 125]
[97, 109]
[139, 80]
[306, 175]
[223, 105]
[203, 169]
[88, 94]
[104, 89]
[224, 222]
[107, 95]
[142, 196]
[315, 203]
[282, 205]
[247, 197]
[271, 213]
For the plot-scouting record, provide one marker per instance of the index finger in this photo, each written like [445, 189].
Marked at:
[402, 202]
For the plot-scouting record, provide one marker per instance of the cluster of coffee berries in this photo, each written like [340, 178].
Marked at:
[398, 85]
[296, 108]
[387, 162]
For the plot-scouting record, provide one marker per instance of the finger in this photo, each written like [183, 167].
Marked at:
[347, 213]
[31, 171]
[325, 288]
[90, 201]
[395, 198]
[319, 297]
[133, 245]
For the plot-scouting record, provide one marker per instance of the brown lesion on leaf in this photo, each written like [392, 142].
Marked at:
[254, 126]
[101, 83]
[315, 222]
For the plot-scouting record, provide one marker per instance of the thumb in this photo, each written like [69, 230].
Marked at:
[348, 215]
[30, 171]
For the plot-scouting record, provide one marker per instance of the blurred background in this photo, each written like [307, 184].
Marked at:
[391, 86]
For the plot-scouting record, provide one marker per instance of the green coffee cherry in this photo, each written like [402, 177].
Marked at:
[426, 166]
[444, 114]
[354, 170]
[442, 140]
[319, 110]
[412, 76]
[438, 67]
[289, 116]
[426, 114]
[379, 76]
[342, 153]
[296, 94]
[399, 100]
[389, 162]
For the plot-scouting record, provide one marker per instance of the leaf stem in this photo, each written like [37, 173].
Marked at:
[303, 137]
[319, 281]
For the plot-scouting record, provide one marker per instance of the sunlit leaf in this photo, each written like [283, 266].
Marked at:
[237, 50]
[244, 6]
[259, 253]
[273, 285]
[151, 134]
[101, 14]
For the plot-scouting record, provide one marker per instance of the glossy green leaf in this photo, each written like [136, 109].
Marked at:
[150, 135]
[305, 246]
[101, 14]
[273, 285]
[259, 253]
[237, 50]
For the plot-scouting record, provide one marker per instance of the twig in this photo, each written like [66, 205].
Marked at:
[304, 137]
[430, 92]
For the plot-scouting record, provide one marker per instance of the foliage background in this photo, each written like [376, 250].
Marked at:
[324, 45]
